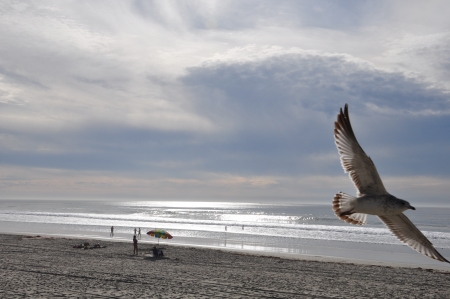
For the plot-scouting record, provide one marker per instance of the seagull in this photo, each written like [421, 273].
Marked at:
[373, 199]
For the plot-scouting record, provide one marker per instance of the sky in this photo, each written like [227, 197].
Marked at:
[221, 100]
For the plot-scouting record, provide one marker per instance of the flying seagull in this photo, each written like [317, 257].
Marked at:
[372, 197]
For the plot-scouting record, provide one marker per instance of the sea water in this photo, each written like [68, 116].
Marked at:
[294, 229]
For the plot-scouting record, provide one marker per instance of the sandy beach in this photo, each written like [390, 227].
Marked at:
[45, 267]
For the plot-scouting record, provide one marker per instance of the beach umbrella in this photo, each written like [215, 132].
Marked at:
[160, 233]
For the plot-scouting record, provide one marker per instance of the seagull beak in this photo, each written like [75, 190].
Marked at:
[412, 208]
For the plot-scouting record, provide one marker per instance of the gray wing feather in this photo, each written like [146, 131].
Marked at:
[409, 234]
[354, 160]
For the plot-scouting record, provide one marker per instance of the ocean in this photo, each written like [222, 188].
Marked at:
[288, 229]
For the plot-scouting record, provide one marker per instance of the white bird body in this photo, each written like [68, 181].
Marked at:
[378, 205]
[373, 199]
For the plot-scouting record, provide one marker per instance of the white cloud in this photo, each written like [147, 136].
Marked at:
[9, 93]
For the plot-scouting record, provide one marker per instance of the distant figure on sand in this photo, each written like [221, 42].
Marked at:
[135, 231]
[226, 228]
[157, 252]
[139, 233]
[112, 232]
[135, 241]
[242, 227]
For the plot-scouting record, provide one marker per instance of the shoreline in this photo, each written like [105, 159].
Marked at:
[49, 267]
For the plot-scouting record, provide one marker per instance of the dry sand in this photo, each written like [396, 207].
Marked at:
[38, 267]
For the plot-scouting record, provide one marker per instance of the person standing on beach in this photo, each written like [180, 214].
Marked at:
[139, 233]
[135, 231]
[112, 232]
[135, 241]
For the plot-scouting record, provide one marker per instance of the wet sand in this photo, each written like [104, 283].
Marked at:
[42, 267]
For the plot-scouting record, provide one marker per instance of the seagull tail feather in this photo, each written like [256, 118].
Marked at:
[343, 205]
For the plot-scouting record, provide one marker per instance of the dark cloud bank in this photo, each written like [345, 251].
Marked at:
[283, 109]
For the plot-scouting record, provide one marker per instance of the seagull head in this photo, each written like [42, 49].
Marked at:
[405, 205]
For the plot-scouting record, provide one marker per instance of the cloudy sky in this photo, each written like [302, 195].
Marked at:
[221, 100]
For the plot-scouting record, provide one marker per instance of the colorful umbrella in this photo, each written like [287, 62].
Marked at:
[159, 233]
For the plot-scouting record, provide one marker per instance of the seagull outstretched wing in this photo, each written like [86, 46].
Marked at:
[409, 234]
[354, 160]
